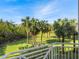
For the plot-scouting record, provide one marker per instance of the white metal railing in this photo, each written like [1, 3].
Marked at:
[47, 52]
[31, 53]
[70, 52]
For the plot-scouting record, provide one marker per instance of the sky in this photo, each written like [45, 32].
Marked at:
[15, 10]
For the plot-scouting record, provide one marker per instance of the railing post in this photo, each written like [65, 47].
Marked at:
[52, 53]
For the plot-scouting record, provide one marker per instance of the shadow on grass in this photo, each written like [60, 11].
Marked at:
[52, 40]
[25, 47]
[2, 50]
[56, 40]
[19, 41]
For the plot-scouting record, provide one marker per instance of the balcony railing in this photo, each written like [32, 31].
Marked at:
[71, 51]
[54, 51]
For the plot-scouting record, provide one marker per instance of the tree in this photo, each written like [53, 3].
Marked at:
[34, 28]
[48, 28]
[2, 27]
[57, 26]
[61, 30]
[42, 27]
[26, 24]
[73, 30]
[65, 28]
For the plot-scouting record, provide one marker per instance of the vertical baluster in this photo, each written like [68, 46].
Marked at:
[72, 54]
[48, 55]
[75, 52]
[61, 53]
[52, 53]
[56, 52]
[65, 53]
[68, 53]
[78, 51]
[20, 57]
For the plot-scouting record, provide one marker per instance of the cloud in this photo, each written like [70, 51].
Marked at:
[47, 10]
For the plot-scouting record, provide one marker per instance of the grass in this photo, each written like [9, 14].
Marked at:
[21, 44]
[18, 45]
[14, 46]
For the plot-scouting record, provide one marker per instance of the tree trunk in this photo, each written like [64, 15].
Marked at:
[47, 34]
[34, 40]
[59, 39]
[41, 36]
[27, 37]
[74, 42]
[63, 47]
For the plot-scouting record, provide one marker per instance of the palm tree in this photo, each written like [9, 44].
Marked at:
[65, 28]
[2, 27]
[73, 30]
[42, 27]
[48, 29]
[61, 30]
[26, 24]
[34, 28]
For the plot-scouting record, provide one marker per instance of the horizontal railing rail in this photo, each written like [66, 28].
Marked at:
[54, 51]
[27, 53]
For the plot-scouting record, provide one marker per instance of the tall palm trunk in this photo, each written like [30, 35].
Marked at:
[34, 39]
[41, 36]
[47, 34]
[35, 43]
[74, 42]
[27, 38]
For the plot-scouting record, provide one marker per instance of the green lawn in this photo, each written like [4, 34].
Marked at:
[21, 44]
[15, 46]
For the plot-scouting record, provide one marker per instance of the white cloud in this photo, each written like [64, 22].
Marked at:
[47, 10]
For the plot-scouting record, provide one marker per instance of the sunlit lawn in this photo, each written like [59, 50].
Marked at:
[12, 47]
[15, 46]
